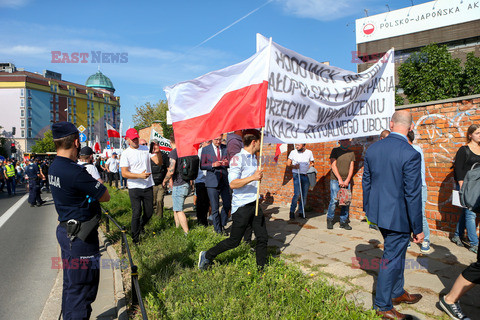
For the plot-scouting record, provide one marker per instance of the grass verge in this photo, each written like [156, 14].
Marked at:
[173, 287]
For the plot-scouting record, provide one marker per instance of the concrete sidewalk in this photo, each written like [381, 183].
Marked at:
[347, 259]
[110, 302]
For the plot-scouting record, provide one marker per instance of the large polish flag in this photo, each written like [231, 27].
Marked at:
[221, 101]
[111, 132]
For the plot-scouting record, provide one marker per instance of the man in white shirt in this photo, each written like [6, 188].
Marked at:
[112, 169]
[244, 177]
[300, 160]
[85, 159]
[135, 166]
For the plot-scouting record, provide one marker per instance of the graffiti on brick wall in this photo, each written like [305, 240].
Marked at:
[441, 136]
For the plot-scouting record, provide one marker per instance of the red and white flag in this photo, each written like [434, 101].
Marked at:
[221, 101]
[281, 148]
[97, 148]
[111, 132]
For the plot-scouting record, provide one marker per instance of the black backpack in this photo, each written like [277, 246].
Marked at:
[189, 167]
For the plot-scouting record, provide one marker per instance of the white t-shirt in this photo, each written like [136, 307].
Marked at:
[112, 164]
[201, 173]
[137, 161]
[90, 169]
[302, 158]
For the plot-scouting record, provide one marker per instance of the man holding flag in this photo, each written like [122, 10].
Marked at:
[244, 178]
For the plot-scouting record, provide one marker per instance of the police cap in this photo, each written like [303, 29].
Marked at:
[86, 151]
[63, 129]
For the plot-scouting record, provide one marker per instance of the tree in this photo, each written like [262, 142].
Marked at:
[44, 145]
[146, 114]
[431, 74]
[471, 75]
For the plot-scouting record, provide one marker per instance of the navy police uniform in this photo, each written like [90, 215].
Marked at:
[32, 173]
[74, 192]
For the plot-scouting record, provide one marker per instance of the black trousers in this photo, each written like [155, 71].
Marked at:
[472, 273]
[140, 199]
[203, 203]
[113, 176]
[241, 219]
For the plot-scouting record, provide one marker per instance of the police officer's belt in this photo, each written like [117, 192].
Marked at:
[80, 229]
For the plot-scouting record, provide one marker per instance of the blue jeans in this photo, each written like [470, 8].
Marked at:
[426, 229]
[304, 183]
[467, 220]
[334, 187]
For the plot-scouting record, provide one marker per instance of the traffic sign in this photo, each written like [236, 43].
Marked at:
[81, 129]
[83, 137]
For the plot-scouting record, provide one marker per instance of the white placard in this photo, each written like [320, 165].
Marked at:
[310, 102]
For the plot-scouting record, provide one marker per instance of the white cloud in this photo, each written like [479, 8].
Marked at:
[323, 10]
[13, 3]
[23, 50]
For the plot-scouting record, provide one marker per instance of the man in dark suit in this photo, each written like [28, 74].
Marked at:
[392, 199]
[214, 160]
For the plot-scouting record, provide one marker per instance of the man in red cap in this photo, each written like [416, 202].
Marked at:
[135, 166]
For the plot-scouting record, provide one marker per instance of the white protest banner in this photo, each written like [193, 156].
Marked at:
[163, 143]
[311, 102]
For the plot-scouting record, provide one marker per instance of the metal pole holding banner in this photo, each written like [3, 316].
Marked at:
[301, 193]
[259, 168]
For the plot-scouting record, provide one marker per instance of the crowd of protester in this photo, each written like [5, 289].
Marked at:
[221, 171]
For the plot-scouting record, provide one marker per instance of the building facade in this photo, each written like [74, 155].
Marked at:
[455, 23]
[31, 102]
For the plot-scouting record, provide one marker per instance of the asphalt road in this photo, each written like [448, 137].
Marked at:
[27, 245]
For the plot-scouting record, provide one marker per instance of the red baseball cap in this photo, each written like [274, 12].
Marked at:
[131, 134]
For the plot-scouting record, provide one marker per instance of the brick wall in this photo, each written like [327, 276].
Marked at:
[440, 128]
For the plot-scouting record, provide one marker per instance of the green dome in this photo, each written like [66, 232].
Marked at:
[101, 81]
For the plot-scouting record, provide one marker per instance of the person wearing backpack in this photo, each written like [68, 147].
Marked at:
[181, 171]
[465, 158]
[214, 160]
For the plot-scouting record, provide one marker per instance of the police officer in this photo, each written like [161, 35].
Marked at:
[10, 174]
[76, 195]
[34, 176]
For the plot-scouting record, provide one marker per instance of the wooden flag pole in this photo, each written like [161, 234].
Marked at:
[260, 168]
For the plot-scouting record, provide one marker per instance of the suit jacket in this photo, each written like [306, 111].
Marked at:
[392, 185]
[215, 175]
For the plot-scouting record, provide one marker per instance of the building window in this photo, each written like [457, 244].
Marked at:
[56, 98]
[29, 103]
[22, 123]
[22, 113]
[23, 133]
[51, 106]
[74, 110]
[22, 92]
[69, 101]
[29, 113]
[51, 97]
[56, 117]
[52, 116]
[29, 133]
[22, 102]
[29, 123]
[29, 93]
[74, 101]
[75, 120]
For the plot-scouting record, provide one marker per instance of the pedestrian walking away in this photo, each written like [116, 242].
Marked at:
[392, 164]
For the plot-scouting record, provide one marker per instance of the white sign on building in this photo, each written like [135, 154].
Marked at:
[426, 16]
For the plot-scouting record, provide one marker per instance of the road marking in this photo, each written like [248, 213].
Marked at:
[12, 210]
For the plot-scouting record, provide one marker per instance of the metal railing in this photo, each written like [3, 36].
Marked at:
[136, 293]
